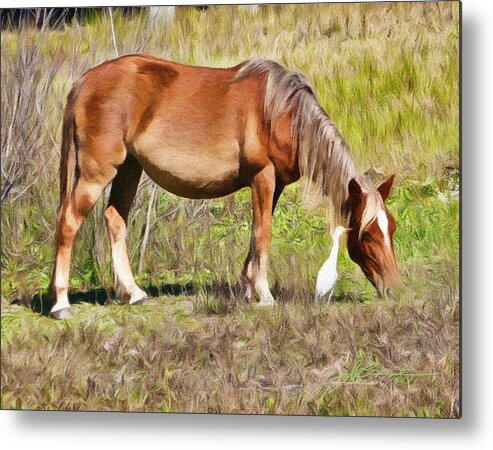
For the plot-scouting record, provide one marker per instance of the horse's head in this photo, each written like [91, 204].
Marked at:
[370, 238]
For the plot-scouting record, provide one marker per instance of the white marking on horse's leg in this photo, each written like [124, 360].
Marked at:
[124, 281]
[125, 285]
[61, 287]
[61, 300]
[248, 277]
[67, 228]
[383, 223]
[248, 293]
[261, 283]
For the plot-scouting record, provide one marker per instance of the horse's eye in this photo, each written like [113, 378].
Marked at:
[365, 236]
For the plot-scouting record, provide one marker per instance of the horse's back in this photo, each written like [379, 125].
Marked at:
[191, 125]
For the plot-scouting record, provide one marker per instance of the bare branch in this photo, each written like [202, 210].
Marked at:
[110, 9]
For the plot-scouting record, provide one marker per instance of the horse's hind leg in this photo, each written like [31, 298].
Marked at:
[85, 170]
[70, 218]
[122, 195]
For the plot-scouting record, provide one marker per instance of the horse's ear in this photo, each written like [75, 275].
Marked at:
[354, 199]
[385, 187]
[354, 190]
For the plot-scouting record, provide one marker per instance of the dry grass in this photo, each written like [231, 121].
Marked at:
[204, 355]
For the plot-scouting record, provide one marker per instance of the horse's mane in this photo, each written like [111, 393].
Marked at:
[324, 157]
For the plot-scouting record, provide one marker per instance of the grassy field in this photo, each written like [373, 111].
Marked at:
[387, 74]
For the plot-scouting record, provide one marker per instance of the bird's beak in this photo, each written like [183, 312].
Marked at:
[347, 230]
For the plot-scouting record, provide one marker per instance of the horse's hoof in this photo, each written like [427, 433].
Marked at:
[141, 302]
[62, 314]
[267, 303]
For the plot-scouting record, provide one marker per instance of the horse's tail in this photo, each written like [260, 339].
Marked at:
[68, 155]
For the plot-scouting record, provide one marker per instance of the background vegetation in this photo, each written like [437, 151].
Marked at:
[387, 74]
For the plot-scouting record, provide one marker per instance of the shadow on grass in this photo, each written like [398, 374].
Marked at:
[40, 303]
[223, 292]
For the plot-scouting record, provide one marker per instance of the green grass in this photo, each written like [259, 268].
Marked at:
[387, 74]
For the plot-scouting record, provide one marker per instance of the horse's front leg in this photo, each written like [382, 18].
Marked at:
[255, 271]
[248, 271]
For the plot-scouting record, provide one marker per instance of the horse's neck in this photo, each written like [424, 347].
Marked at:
[333, 165]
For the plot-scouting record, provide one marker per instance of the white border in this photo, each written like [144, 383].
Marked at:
[95, 430]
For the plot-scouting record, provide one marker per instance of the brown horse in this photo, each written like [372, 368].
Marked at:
[202, 133]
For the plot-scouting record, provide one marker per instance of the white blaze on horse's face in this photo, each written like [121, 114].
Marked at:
[370, 241]
[383, 223]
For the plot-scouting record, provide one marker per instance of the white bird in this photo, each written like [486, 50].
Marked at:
[327, 276]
